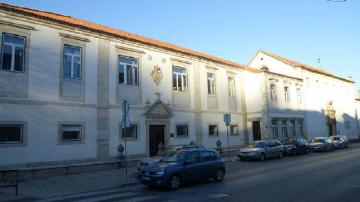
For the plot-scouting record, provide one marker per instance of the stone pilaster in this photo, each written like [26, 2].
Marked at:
[103, 99]
[243, 108]
[197, 105]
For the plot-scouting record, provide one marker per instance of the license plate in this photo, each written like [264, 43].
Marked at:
[145, 178]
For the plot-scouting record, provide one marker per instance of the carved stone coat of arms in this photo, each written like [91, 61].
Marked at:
[157, 74]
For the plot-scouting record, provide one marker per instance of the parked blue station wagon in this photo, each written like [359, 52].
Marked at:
[183, 166]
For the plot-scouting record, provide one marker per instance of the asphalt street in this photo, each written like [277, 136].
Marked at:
[329, 176]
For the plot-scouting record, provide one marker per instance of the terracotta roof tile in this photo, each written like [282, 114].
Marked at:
[74, 22]
[304, 66]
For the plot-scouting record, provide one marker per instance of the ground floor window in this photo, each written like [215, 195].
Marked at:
[130, 133]
[300, 128]
[274, 129]
[11, 133]
[71, 133]
[182, 130]
[292, 128]
[234, 130]
[284, 129]
[213, 130]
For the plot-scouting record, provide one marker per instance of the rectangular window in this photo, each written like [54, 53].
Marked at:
[298, 96]
[300, 128]
[292, 128]
[211, 83]
[71, 132]
[130, 133]
[274, 129]
[13, 53]
[231, 85]
[128, 70]
[286, 94]
[72, 62]
[234, 130]
[213, 130]
[182, 130]
[179, 79]
[284, 129]
[11, 133]
[273, 95]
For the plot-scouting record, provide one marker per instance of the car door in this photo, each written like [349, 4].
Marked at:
[192, 168]
[208, 164]
[269, 149]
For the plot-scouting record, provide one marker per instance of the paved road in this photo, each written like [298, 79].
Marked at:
[332, 176]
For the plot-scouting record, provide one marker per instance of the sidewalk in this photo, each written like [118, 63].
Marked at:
[33, 189]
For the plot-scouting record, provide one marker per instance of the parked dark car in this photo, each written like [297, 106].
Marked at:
[183, 166]
[340, 141]
[321, 144]
[149, 161]
[262, 150]
[295, 146]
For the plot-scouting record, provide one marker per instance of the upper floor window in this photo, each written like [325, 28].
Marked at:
[72, 62]
[179, 79]
[128, 70]
[231, 84]
[13, 53]
[298, 96]
[211, 83]
[273, 95]
[286, 94]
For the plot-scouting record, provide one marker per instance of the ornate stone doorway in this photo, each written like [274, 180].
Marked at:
[157, 118]
[156, 137]
[331, 118]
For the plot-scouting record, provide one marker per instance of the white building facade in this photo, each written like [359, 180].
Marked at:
[63, 82]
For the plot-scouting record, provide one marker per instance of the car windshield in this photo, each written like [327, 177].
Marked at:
[167, 151]
[317, 140]
[258, 145]
[173, 156]
[336, 138]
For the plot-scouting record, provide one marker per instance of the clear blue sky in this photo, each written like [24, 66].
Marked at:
[235, 29]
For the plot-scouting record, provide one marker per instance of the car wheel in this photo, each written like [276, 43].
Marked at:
[346, 146]
[280, 154]
[219, 176]
[293, 152]
[262, 157]
[175, 182]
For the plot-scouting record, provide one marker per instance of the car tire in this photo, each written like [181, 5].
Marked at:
[219, 176]
[174, 182]
[294, 152]
[280, 154]
[346, 146]
[262, 157]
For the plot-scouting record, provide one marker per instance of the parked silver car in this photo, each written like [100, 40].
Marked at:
[340, 141]
[321, 144]
[262, 150]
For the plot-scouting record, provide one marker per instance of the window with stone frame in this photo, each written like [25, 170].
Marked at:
[211, 83]
[130, 133]
[284, 129]
[71, 133]
[182, 130]
[274, 129]
[179, 79]
[213, 130]
[128, 71]
[11, 133]
[300, 128]
[231, 85]
[13, 53]
[72, 62]
[292, 128]
[273, 93]
[286, 94]
[298, 95]
[234, 130]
